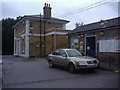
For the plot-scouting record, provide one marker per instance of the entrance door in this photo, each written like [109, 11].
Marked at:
[18, 47]
[90, 46]
[31, 50]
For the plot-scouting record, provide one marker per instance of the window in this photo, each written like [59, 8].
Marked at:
[64, 26]
[107, 45]
[57, 52]
[15, 43]
[118, 44]
[43, 44]
[37, 44]
[62, 52]
[53, 53]
[23, 45]
[73, 53]
[31, 25]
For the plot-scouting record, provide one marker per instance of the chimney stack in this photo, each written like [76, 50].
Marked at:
[47, 11]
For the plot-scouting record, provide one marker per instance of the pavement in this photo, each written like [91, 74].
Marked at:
[35, 73]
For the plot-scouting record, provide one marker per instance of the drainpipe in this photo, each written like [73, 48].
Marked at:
[52, 42]
[44, 37]
[40, 35]
[68, 41]
[55, 40]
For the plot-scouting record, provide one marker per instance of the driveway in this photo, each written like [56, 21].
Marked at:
[34, 73]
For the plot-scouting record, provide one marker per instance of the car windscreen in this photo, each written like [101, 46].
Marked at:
[73, 53]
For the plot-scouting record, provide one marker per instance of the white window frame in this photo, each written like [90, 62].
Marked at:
[117, 44]
[31, 27]
[107, 45]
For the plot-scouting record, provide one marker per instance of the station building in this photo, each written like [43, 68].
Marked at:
[38, 35]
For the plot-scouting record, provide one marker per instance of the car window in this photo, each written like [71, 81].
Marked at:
[73, 53]
[53, 53]
[62, 52]
[81, 53]
[57, 52]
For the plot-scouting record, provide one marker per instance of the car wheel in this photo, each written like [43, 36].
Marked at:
[51, 65]
[71, 68]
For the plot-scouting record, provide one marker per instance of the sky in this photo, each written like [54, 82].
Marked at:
[72, 10]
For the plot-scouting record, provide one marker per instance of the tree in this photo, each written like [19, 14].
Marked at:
[8, 35]
[78, 24]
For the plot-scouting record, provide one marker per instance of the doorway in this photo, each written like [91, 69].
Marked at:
[31, 49]
[18, 47]
[91, 46]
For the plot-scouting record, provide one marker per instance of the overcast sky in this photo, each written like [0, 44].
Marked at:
[72, 10]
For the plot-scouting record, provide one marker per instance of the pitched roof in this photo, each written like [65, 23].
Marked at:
[103, 24]
[38, 17]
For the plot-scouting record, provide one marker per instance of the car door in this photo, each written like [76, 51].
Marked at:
[55, 57]
[63, 61]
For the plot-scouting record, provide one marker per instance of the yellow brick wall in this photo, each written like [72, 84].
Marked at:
[19, 29]
[58, 30]
[61, 41]
[48, 25]
[49, 44]
[34, 40]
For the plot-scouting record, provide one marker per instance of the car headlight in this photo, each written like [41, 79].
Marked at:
[82, 62]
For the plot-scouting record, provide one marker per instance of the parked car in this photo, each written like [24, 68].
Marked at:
[72, 59]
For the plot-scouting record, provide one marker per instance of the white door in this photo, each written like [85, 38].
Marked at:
[18, 47]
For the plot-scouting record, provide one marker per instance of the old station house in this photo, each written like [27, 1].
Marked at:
[100, 39]
[38, 35]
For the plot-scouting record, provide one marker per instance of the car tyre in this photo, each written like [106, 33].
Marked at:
[51, 65]
[71, 68]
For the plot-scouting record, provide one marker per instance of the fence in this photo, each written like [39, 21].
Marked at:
[109, 61]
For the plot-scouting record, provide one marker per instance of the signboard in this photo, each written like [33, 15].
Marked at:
[74, 43]
[81, 46]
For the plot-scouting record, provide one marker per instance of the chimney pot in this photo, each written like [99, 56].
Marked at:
[47, 5]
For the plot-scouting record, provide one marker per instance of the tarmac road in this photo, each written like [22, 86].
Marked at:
[0, 72]
[35, 73]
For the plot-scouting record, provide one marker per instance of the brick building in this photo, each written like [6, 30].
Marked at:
[100, 39]
[38, 35]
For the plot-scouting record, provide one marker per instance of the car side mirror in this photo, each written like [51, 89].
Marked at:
[64, 55]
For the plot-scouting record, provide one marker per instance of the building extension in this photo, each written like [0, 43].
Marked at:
[100, 39]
